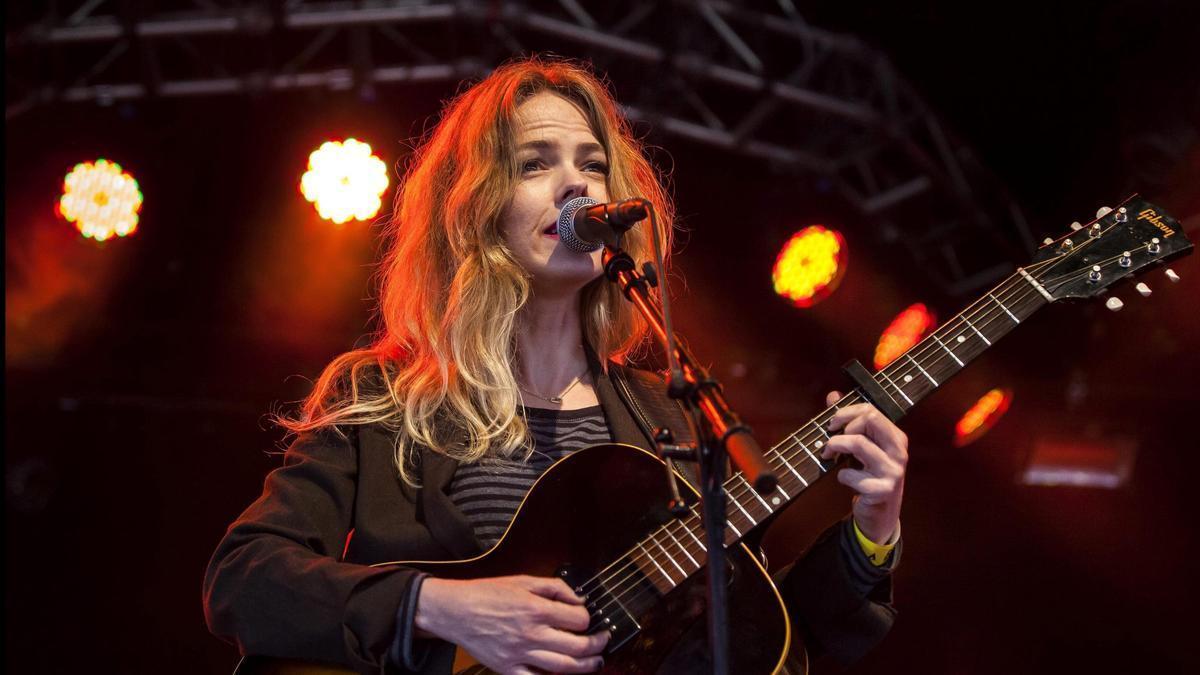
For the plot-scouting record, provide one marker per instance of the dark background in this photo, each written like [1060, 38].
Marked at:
[139, 372]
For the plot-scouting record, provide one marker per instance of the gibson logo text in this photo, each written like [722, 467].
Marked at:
[1154, 219]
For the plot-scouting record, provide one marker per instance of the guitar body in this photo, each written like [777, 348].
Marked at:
[588, 510]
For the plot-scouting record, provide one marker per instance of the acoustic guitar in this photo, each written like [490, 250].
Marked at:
[641, 569]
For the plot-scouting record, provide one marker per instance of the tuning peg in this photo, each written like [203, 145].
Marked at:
[1047, 241]
[1154, 246]
[1114, 304]
[1125, 260]
[1076, 226]
[1172, 275]
[1094, 274]
[1122, 215]
[1066, 246]
[1143, 289]
[1094, 231]
[1103, 211]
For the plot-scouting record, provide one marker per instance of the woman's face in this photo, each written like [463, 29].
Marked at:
[558, 159]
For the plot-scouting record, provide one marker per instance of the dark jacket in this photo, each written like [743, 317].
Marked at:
[292, 576]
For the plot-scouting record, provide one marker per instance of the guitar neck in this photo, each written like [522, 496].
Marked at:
[668, 555]
[906, 381]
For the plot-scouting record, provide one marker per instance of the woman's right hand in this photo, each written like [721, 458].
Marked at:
[512, 625]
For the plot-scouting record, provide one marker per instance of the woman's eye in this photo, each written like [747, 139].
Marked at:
[531, 165]
[598, 167]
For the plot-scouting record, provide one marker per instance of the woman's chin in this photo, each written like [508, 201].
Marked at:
[563, 279]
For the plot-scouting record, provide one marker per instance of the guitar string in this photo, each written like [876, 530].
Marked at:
[741, 490]
[616, 590]
[1023, 294]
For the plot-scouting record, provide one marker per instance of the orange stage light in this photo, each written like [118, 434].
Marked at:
[982, 416]
[101, 199]
[344, 180]
[810, 265]
[906, 330]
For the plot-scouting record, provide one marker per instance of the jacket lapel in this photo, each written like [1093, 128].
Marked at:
[445, 521]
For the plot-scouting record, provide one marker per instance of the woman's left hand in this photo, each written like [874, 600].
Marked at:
[882, 449]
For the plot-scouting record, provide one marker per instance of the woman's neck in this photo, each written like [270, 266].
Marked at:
[549, 339]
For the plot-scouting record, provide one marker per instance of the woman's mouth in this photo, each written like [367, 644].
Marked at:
[551, 231]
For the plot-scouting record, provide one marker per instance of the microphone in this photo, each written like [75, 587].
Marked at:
[584, 225]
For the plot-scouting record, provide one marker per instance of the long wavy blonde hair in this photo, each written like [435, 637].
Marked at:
[439, 372]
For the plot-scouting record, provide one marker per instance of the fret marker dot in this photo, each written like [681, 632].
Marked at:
[961, 338]
[818, 444]
[775, 501]
[907, 378]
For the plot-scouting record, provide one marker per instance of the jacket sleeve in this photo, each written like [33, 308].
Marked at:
[275, 586]
[839, 602]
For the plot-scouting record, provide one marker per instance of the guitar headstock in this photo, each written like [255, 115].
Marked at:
[1122, 243]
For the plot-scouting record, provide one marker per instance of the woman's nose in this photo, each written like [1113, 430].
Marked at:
[573, 186]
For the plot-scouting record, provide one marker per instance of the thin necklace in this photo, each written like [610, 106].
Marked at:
[555, 399]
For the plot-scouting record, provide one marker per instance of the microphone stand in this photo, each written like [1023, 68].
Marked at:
[721, 435]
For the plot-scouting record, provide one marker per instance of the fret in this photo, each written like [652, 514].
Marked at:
[742, 509]
[733, 527]
[809, 453]
[681, 547]
[914, 362]
[947, 350]
[791, 468]
[981, 336]
[970, 344]
[755, 493]
[647, 556]
[669, 557]
[1010, 314]
[688, 528]
[906, 398]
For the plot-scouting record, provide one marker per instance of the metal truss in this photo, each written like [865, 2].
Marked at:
[751, 78]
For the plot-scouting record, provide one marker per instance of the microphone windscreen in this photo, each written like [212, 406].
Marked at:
[566, 226]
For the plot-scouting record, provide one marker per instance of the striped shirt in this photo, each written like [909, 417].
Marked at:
[489, 491]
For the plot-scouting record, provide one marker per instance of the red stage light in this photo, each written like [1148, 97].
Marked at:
[982, 416]
[906, 330]
[810, 265]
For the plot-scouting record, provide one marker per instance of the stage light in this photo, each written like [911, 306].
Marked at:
[982, 416]
[906, 330]
[101, 199]
[810, 265]
[344, 180]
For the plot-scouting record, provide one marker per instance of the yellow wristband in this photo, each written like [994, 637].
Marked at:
[876, 553]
